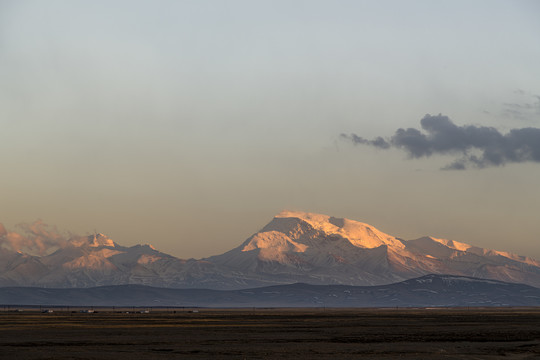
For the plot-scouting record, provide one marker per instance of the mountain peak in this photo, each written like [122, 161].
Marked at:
[359, 234]
[316, 220]
[303, 215]
[99, 240]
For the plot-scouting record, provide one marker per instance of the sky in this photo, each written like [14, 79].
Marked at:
[189, 124]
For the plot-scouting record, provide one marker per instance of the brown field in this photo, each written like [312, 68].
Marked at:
[273, 334]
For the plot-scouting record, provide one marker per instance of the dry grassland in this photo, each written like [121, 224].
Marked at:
[273, 334]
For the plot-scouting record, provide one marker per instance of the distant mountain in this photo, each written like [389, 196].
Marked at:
[426, 291]
[96, 260]
[319, 249]
[294, 247]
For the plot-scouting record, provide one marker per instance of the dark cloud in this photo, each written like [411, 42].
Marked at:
[479, 146]
[377, 142]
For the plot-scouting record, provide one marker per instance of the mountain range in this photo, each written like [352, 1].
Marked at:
[295, 247]
[426, 291]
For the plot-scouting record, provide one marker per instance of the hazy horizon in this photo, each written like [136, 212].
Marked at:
[190, 124]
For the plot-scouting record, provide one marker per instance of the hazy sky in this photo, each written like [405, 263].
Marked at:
[189, 124]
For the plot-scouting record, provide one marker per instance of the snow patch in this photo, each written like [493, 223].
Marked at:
[148, 259]
[359, 234]
[100, 240]
[274, 240]
[90, 262]
[453, 244]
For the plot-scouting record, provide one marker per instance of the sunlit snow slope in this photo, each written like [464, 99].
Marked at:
[319, 249]
[293, 247]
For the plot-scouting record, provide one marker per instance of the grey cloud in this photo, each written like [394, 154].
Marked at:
[456, 165]
[442, 136]
[520, 106]
[526, 108]
[515, 114]
[377, 142]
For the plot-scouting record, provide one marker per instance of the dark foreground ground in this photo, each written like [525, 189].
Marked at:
[274, 334]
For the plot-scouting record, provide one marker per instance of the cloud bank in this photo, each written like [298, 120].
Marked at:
[477, 146]
[37, 238]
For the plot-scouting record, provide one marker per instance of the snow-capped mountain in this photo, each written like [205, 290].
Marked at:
[96, 260]
[293, 247]
[319, 249]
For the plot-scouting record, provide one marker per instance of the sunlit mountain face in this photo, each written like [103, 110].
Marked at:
[293, 247]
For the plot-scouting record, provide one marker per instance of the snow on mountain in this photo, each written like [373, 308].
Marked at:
[359, 234]
[92, 261]
[100, 240]
[313, 248]
[319, 249]
[293, 247]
